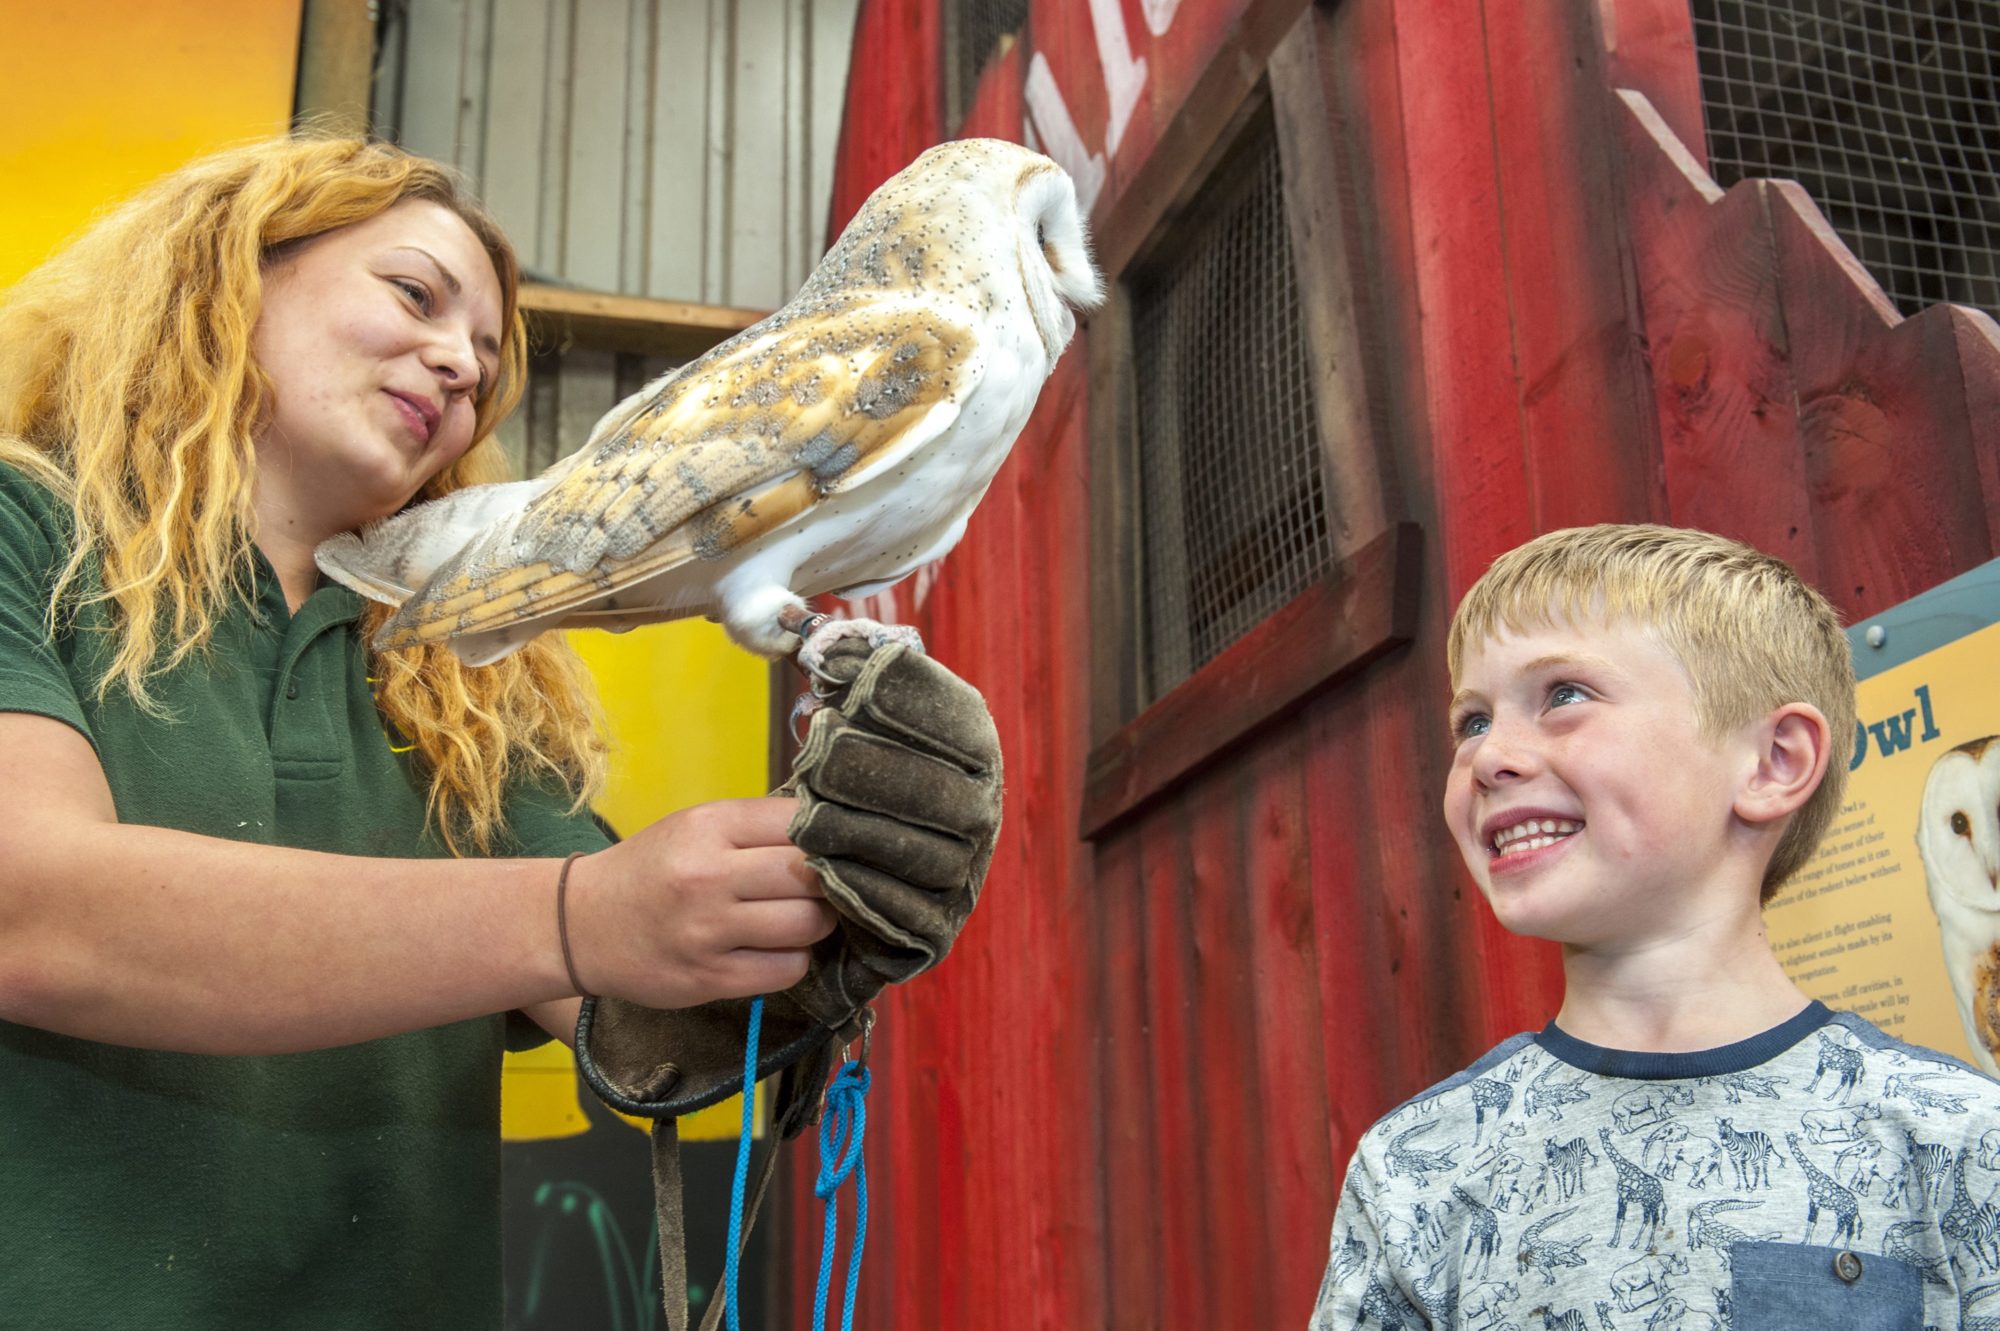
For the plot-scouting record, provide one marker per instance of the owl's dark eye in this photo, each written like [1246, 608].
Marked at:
[1961, 824]
[1041, 236]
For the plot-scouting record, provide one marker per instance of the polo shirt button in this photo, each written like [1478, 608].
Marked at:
[292, 691]
[1848, 1267]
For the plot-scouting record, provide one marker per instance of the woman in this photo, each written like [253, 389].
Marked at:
[261, 891]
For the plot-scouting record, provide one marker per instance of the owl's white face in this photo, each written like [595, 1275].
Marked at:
[983, 225]
[1958, 829]
[1053, 254]
[1958, 839]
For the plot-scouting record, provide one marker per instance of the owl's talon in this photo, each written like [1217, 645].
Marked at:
[820, 638]
[803, 708]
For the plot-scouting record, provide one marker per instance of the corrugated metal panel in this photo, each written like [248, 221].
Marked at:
[672, 148]
[680, 149]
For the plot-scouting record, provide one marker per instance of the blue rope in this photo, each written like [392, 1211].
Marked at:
[846, 1117]
[742, 1161]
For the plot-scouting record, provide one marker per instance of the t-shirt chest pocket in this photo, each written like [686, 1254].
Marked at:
[1789, 1285]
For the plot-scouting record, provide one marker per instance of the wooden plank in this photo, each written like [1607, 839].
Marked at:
[1183, 1265]
[1366, 976]
[893, 104]
[1132, 1154]
[601, 320]
[1979, 369]
[1649, 47]
[1296, 1179]
[336, 53]
[1720, 362]
[1116, 568]
[1165, 179]
[1221, 1059]
[1350, 617]
[1357, 459]
[1471, 396]
[1067, 1273]
[1882, 421]
[1587, 425]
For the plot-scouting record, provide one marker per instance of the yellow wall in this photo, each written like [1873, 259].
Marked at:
[689, 723]
[98, 97]
[689, 718]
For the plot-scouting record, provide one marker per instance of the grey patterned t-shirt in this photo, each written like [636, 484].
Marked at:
[1820, 1175]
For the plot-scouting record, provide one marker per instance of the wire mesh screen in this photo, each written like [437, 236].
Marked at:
[1887, 111]
[1231, 486]
[973, 30]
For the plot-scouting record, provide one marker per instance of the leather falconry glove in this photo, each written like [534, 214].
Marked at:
[899, 788]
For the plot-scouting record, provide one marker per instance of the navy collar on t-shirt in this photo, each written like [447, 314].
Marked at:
[1717, 1062]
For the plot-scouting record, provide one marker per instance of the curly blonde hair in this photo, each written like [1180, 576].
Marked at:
[1750, 633]
[127, 386]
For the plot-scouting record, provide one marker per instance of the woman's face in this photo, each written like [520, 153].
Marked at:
[378, 338]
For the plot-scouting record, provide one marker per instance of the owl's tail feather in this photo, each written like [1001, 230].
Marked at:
[388, 560]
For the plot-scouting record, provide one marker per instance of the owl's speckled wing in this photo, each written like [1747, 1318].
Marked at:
[739, 444]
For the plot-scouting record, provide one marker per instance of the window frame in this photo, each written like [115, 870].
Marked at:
[1366, 604]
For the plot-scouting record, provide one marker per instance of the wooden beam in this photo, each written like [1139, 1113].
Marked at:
[1364, 607]
[336, 66]
[563, 317]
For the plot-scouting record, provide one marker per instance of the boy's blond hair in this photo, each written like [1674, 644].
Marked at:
[1751, 635]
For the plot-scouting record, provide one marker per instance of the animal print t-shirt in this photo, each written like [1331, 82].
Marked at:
[1820, 1175]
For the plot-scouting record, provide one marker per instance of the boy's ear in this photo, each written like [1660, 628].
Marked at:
[1792, 753]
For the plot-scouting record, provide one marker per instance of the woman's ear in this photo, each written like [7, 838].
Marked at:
[1792, 753]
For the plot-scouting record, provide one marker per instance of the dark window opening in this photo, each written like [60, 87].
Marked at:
[1232, 489]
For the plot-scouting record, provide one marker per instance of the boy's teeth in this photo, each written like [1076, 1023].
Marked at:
[1533, 834]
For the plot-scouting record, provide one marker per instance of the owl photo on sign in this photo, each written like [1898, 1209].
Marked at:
[834, 447]
[1958, 839]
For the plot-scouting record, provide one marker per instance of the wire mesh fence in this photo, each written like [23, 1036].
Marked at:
[1887, 111]
[973, 31]
[1231, 483]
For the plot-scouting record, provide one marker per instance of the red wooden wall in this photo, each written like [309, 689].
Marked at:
[1128, 1098]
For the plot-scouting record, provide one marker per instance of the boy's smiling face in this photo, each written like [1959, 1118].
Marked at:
[1587, 803]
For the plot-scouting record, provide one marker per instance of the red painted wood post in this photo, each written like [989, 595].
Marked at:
[1881, 420]
[1296, 1179]
[1649, 49]
[1979, 366]
[1721, 368]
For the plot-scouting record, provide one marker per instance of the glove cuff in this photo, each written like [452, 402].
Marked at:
[668, 1089]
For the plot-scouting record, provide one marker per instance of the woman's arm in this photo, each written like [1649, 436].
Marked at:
[162, 939]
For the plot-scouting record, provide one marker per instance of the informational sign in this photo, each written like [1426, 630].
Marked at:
[1898, 916]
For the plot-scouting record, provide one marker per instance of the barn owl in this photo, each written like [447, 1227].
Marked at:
[836, 446]
[1958, 839]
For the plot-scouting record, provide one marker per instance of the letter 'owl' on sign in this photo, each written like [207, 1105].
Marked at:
[837, 446]
[1958, 839]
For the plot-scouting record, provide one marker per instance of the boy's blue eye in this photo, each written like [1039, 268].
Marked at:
[1564, 694]
[1470, 725]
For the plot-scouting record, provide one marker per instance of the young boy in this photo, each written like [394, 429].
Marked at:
[1651, 729]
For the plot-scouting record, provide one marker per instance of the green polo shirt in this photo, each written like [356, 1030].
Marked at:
[350, 1188]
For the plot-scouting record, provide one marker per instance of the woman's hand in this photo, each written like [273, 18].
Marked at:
[711, 902]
